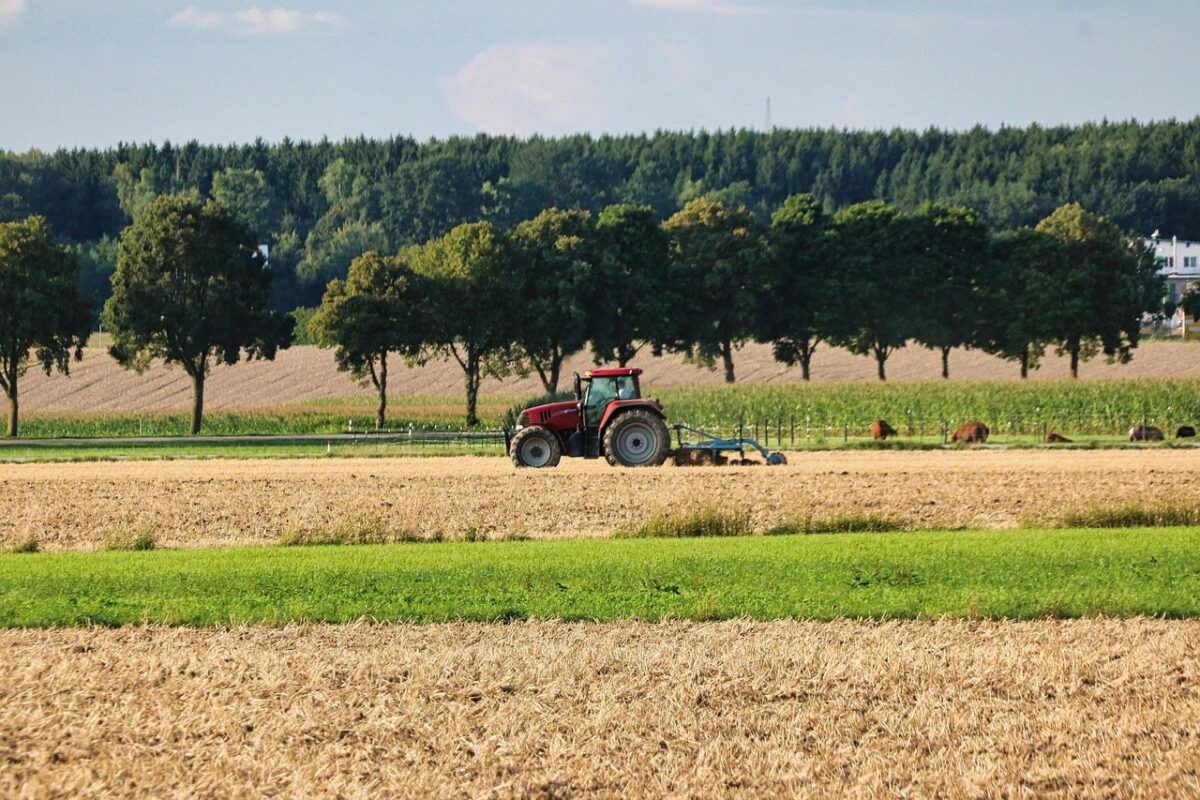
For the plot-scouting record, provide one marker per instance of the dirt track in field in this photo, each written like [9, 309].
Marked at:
[305, 374]
[210, 503]
[1094, 708]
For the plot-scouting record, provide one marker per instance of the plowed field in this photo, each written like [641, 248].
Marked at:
[304, 374]
[207, 503]
[1093, 708]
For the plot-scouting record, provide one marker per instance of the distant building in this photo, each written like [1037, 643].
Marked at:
[1179, 263]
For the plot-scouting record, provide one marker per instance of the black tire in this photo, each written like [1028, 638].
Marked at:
[536, 448]
[637, 438]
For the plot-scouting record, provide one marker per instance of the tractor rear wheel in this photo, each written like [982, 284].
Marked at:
[535, 447]
[636, 439]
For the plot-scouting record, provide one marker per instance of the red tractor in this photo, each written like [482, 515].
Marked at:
[608, 417]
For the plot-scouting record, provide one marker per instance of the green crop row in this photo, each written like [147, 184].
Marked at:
[809, 411]
[922, 409]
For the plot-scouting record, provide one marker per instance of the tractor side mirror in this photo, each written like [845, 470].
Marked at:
[578, 389]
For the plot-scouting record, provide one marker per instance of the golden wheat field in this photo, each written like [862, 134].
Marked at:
[304, 374]
[1092, 708]
[220, 502]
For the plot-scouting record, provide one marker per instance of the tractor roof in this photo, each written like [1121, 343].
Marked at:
[612, 373]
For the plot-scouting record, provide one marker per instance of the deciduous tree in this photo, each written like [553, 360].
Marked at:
[628, 308]
[42, 313]
[953, 260]
[1019, 299]
[1109, 281]
[796, 307]
[191, 289]
[471, 302]
[378, 310]
[716, 254]
[554, 258]
[877, 281]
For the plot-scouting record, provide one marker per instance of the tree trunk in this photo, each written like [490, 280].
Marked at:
[550, 373]
[946, 362]
[805, 363]
[1075, 358]
[13, 410]
[472, 374]
[625, 355]
[881, 359]
[1025, 362]
[197, 401]
[727, 358]
[381, 414]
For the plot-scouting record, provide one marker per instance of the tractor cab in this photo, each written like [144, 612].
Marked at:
[603, 387]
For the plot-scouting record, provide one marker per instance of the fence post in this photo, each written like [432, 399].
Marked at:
[846, 433]
[779, 431]
[793, 420]
[945, 431]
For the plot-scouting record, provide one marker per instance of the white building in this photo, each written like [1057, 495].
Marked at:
[1179, 263]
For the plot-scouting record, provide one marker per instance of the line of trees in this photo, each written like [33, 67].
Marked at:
[871, 278]
[191, 288]
[321, 204]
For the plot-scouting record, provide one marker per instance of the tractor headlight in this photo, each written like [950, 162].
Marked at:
[522, 419]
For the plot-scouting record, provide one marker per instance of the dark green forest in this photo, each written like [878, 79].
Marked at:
[321, 204]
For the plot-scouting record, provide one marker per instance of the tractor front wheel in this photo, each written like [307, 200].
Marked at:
[636, 439]
[535, 447]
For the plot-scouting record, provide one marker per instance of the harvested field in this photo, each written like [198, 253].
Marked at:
[305, 374]
[1097, 708]
[212, 503]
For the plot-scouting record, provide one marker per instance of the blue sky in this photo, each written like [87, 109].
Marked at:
[96, 72]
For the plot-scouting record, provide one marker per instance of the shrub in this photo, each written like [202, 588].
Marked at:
[300, 317]
[29, 545]
[369, 530]
[846, 523]
[1131, 516]
[140, 539]
[709, 521]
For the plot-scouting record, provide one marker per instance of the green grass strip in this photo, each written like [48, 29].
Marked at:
[999, 574]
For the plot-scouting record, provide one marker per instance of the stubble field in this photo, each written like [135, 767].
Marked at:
[1089, 708]
[219, 503]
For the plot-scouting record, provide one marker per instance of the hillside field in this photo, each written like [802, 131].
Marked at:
[307, 376]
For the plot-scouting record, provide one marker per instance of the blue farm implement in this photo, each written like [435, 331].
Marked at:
[704, 448]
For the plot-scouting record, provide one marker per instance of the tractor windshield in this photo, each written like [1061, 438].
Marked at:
[601, 392]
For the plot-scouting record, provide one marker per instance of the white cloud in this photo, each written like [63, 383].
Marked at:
[549, 87]
[255, 21]
[11, 11]
[703, 6]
